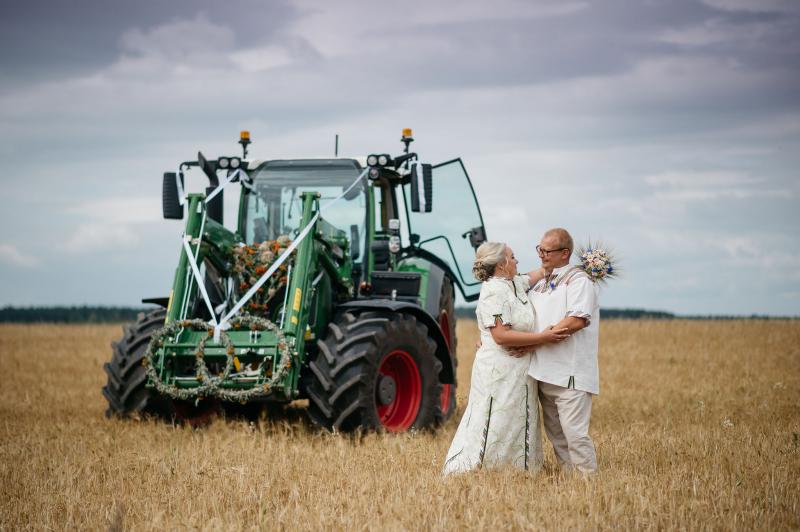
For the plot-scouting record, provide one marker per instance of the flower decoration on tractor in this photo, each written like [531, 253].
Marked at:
[252, 261]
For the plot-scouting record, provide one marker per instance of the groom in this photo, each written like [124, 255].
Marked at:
[567, 371]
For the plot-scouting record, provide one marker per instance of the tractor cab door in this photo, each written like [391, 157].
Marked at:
[454, 227]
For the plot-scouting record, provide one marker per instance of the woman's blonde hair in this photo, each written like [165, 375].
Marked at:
[488, 256]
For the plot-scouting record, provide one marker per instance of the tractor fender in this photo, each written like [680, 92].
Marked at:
[447, 374]
[435, 279]
[160, 301]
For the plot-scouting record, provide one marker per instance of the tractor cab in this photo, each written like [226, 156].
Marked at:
[399, 211]
[272, 206]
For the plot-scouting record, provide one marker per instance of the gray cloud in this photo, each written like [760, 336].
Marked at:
[41, 40]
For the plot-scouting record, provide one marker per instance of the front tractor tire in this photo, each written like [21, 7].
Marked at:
[125, 390]
[376, 370]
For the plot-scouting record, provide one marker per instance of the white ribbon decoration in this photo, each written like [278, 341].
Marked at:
[179, 186]
[223, 323]
[199, 279]
[275, 265]
[225, 182]
[420, 185]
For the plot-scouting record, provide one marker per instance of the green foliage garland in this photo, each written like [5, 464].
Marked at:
[210, 385]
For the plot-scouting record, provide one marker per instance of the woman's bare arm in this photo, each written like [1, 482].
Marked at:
[536, 275]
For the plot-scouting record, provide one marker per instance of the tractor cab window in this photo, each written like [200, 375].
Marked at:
[445, 231]
[275, 208]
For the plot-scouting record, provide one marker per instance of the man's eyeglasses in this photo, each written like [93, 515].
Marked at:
[541, 251]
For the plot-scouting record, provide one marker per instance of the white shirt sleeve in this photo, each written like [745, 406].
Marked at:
[581, 297]
[493, 303]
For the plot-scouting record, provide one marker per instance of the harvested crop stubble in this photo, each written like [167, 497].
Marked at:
[697, 427]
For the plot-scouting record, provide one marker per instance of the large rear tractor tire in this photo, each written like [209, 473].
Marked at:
[447, 322]
[375, 370]
[125, 391]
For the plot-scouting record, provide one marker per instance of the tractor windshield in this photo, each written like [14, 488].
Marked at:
[275, 208]
[445, 231]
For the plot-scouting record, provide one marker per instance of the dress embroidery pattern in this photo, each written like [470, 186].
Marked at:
[486, 431]
[527, 426]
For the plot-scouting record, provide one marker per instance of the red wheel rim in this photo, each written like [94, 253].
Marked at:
[400, 414]
[444, 397]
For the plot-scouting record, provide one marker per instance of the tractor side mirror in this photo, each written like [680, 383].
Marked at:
[421, 188]
[355, 239]
[477, 236]
[170, 196]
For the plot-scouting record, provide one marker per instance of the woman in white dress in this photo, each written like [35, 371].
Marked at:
[500, 426]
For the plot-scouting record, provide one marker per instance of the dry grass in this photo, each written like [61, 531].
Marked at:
[696, 428]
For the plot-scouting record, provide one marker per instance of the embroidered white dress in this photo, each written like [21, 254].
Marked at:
[500, 426]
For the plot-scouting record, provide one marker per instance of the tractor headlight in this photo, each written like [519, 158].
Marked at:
[235, 163]
[223, 162]
[384, 160]
[374, 172]
[394, 244]
[372, 160]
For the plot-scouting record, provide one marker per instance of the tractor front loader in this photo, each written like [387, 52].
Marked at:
[337, 286]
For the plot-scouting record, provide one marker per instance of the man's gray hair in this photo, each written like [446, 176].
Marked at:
[563, 236]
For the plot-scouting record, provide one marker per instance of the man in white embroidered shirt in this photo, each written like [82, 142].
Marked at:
[567, 371]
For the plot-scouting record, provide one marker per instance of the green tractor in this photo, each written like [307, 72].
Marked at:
[337, 287]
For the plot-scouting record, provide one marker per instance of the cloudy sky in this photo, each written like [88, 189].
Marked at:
[668, 129]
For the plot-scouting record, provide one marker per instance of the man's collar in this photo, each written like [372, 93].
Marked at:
[562, 269]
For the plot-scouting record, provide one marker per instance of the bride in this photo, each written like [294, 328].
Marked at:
[500, 425]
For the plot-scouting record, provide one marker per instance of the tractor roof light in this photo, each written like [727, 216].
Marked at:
[374, 172]
[223, 163]
[384, 159]
[244, 140]
[235, 163]
[372, 160]
[407, 139]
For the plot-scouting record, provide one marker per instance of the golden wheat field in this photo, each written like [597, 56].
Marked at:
[696, 428]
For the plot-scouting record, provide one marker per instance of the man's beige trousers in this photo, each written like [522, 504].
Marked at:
[566, 414]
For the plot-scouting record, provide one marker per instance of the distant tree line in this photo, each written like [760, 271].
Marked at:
[97, 314]
[82, 314]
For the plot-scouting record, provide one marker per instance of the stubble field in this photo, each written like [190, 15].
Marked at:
[696, 428]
